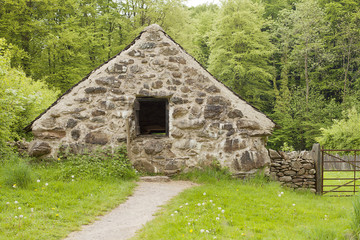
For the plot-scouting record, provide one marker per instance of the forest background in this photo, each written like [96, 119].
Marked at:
[298, 61]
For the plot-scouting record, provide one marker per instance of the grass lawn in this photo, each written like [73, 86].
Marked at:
[336, 183]
[234, 209]
[51, 206]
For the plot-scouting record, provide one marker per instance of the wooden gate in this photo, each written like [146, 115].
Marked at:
[340, 171]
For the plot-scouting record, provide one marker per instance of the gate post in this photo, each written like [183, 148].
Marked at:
[316, 156]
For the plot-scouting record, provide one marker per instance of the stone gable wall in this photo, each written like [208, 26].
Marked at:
[207, 122]
[293, 169]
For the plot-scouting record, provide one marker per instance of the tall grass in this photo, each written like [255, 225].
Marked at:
[356, 217]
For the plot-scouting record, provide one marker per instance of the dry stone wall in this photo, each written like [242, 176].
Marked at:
[293, 169]
[207, 121]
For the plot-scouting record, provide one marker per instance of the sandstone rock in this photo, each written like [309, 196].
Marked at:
[80, 116]
[296, 165]
[108, 81]
[39, 149]
[153, 36]
[157, 84]
[312, 171]
[189, 124]
[95, 90]
[168, 51]
[235, 114]
[117, 91]
[148, 45]
[176, 133]
[217, 100]
[301, 171]
[308, 166]
[212, 89]
[98, 138]
[82, 100]
[98, 112]
[108, 105]
[180, 60]
[144, 166]
[136, 53]
[274, 154]
[285, 179]
[48, 123]
[179, 112]
[75, 134]
[152, 147]
[177, 100]
[232, 145]
[98, 119]
[176, 74]
[199, 100]
[185, 89]
[50, 134]
[213, 111]
[248, 124]
[290, 173]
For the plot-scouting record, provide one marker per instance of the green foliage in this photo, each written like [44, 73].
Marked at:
[18, 175]
[97, 164]
[342, 134]
[240, 52]
[300, 122]
[355, 226]
[21, 98]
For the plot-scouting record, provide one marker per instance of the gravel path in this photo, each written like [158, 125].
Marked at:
[127, 218]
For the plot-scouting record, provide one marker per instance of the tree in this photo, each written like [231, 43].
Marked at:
[21, 98]
[240, 52]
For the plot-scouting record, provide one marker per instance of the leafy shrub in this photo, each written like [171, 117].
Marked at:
[17, 175]
[344, 133]
[97, 164]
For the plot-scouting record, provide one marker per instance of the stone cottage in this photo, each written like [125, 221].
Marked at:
[158, 100]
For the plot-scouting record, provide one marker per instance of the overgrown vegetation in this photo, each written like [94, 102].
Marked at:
[296, 60]
[225, 208]
[48, 200]
[98, 164]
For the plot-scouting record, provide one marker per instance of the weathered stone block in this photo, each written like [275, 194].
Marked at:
[98, 112]
[152, 147]
[50, 134]
[177, 133]
[312, 171]
[136, 53]
[168, 51]
[199, 100]
[212, 89]
[176, 74]
[108, 105]
[236, 113]
[213, 111]
[232, 145]
[189, 124]
[217, 100]
[274, 154]
[308, 166]
[110, 81]
[148, 45]
[71, 123]
[144, 166]
[285, 179]
[248, 124]
[39, 149]
[98, 138]
[290, 173]
[157, 84]
[180, 60]
[179, 112]
[95, 90]
[75, 134]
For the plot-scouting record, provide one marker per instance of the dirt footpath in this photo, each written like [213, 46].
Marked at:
[127, 218]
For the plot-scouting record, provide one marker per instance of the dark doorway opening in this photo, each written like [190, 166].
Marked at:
[152, 116]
